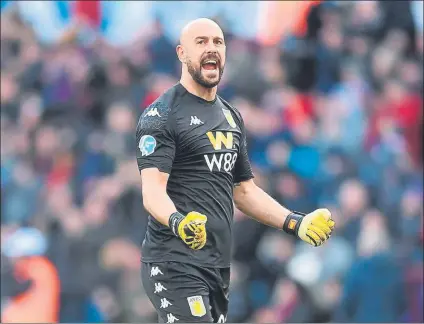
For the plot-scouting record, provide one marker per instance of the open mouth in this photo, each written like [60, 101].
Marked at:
[210, 65]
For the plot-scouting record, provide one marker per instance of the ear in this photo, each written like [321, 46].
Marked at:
[180, 53]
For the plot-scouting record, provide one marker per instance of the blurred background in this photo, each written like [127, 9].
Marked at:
[331, 94]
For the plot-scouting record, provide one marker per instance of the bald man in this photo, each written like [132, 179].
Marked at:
[193, 161]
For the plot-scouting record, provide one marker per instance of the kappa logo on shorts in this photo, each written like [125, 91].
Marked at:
[165, 303]
[159, 287]
[171, 318]
[155, 271]
[197, 307]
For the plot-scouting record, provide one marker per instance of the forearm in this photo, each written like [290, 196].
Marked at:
[257, 204]
[190, 228]
[158, 204]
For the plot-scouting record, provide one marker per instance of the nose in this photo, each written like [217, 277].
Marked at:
[211, 48]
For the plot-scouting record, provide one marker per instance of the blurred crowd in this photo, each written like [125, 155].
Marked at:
[334, 119]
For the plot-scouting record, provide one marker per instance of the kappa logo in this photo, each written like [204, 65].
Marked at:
[147, 145]
[165, 303]
[171, 318]
[195, 121]
[159, 287]
[153, 113]
[197, 307]
[155, 271]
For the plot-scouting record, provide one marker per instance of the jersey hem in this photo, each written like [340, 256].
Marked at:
[207, 265]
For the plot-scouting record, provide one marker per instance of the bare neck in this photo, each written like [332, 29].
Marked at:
[196, 89]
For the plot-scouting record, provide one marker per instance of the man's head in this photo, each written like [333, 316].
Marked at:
[202, 51]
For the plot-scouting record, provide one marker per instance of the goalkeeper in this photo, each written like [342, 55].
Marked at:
[194, 165]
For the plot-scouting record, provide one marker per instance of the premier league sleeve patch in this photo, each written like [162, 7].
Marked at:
[197, 307]
[147, 145]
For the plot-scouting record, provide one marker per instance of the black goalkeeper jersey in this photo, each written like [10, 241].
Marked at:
[202, 146]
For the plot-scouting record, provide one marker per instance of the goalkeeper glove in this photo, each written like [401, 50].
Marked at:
[191, 229]
[314, 228]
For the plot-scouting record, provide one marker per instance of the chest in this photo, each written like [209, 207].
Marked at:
[208, 130]
[208, 138]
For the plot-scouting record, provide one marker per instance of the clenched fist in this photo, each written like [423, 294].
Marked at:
[191, 228]
[314, 228]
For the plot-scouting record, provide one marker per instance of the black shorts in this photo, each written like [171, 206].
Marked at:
[185, 293]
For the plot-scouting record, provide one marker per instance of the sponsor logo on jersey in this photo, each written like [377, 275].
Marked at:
[229, 118]
[225, 162]
[147, 145]
[197, 307]
[219, 138]
[221, 161]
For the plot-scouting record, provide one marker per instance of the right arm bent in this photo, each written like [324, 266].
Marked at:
[191, 228]
[155, 156]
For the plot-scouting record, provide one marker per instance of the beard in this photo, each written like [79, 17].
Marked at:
[197, 76]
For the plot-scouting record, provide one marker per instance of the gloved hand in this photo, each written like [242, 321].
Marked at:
[314, 228]
[191, 228]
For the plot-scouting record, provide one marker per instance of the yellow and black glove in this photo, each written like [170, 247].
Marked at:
[191, 228]
[314, 228]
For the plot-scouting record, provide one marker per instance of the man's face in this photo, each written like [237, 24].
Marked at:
[204, 54]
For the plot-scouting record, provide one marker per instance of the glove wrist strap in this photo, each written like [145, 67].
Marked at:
[292, 223]
[174, 221]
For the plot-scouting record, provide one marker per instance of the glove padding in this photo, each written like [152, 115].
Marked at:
[314, 228]
[191, 228]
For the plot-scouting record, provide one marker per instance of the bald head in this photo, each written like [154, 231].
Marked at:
[202, 52]
[197, 27]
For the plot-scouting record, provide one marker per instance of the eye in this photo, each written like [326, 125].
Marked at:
[219, 42]
[200, 41]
